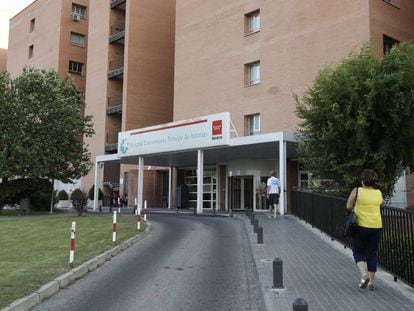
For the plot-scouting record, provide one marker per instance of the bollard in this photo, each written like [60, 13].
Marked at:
[72, 244]
[138, 213]
[256, 225]
[300, 304]
[114, 229]
[252, 218]
[277, 273]
[145, 210]
[260, 235]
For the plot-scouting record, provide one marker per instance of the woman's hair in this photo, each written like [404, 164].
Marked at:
[369, 177]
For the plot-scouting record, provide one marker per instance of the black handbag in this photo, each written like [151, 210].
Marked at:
[351, 221]
[350, 224]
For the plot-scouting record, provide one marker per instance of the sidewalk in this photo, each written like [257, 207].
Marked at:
[317, 269]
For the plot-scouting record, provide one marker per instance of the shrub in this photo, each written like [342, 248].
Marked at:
[79, 200]
[37, 190]
[91, 193]
[63, 195]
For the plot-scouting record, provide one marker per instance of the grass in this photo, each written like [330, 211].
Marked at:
[35, 251]
[18, 212]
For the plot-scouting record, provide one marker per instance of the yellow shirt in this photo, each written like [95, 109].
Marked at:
[367, 208]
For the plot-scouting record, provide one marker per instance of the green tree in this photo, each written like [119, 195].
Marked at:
[359, 115]
[42, 128]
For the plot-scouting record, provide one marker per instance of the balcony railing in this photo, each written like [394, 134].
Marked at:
[118, 4]
[118, 37]
[116, 69]
[114, 110]
[111, 148]
[116, 73]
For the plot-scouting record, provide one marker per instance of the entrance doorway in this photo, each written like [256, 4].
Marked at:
[241, 192]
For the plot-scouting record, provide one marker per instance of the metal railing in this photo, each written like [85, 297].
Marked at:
[396, 249]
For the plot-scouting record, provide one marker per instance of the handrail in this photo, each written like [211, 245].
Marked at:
[396, 249]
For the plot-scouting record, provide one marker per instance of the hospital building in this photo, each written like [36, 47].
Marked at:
[193, 100]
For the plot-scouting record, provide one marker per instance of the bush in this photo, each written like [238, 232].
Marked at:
[63, 195]
[79, 200]
[91, 193]
[37, 190]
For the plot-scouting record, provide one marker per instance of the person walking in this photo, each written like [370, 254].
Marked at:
[366, 202]
[273, 191]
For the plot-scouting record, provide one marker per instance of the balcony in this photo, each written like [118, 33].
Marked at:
[111, 148]
[118, 37]
[116, 73]
[118, 4]
[116, 69]
[114, 110]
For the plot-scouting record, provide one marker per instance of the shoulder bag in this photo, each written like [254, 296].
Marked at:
[351, 220]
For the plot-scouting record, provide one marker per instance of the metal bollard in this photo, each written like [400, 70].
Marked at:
[300, 304]
[252, 218]
[277, 273]
[260, 235]
[256, 225]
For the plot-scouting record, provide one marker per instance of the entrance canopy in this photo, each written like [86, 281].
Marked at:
[196, 143]
[257, 147]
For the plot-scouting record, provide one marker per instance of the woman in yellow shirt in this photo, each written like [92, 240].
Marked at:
[366, 202]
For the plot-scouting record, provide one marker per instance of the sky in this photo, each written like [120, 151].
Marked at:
[9, 8]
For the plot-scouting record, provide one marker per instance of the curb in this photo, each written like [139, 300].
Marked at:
[49, 289]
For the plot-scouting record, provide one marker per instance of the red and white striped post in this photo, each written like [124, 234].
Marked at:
[114, 229]
[72, 244]
[145, 210]
[138, 213]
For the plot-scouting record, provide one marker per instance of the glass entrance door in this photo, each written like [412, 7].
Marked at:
[261, 195]
[241, 192]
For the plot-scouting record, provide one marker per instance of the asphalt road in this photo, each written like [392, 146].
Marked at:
[184, 263]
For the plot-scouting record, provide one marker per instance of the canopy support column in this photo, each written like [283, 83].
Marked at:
[282, 177]
[200, 171]
[140, 181]
[169, 186]
[96, 188]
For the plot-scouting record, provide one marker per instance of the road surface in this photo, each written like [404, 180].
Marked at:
[184, 263]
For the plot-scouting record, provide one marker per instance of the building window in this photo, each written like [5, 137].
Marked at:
[78, 12]
[252, 73]
[252, 22]
[31, 51]
[32, 24]
[253, 124]
[75, 67]
[388, 43]
[77, 39]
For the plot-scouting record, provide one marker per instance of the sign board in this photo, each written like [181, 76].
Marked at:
[198, 133]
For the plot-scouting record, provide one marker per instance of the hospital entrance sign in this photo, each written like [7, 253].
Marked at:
[197, 133]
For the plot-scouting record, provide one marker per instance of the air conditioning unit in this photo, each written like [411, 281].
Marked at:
[76, 17]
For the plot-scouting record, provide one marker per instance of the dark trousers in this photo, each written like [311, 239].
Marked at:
[365, 245]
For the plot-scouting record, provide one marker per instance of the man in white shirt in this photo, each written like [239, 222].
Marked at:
[273, 191]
